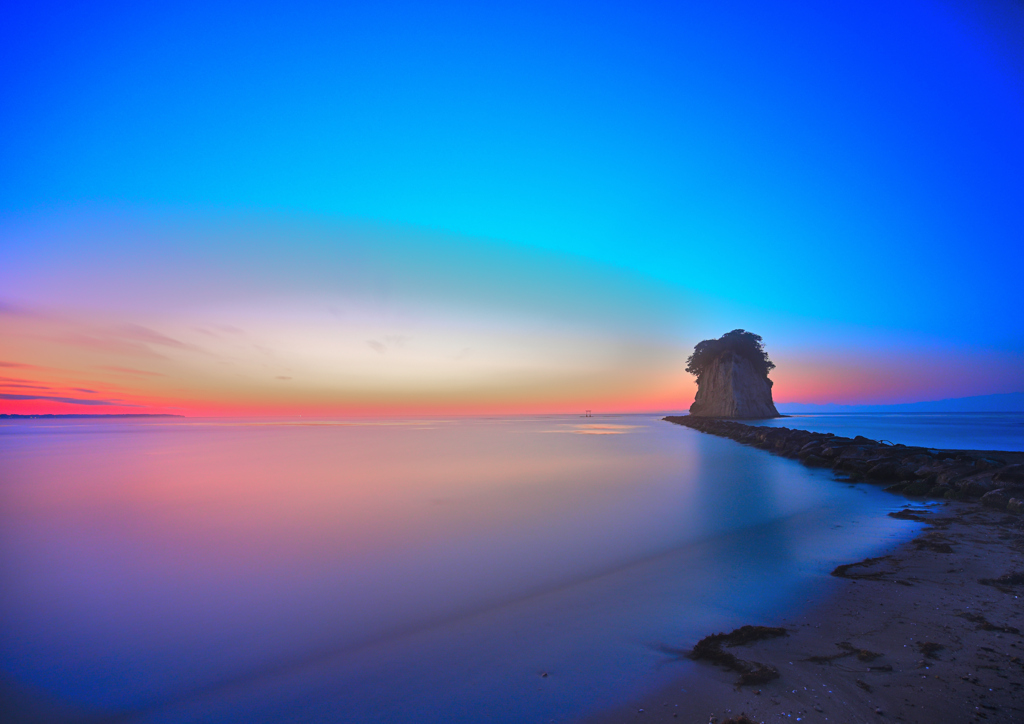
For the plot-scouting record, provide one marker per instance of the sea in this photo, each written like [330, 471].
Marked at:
[937, 430]
[506, 569]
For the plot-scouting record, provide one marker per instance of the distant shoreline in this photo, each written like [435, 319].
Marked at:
[12, 416]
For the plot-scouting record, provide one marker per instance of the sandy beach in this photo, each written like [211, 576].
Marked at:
[929, 633]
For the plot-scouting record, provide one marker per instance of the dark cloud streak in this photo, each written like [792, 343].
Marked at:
[66, 400]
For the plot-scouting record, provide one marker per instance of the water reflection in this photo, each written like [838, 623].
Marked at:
[219, 571]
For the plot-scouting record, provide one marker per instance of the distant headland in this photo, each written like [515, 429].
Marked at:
[11, 416]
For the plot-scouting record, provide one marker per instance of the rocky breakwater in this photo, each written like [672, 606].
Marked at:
[994, 479]
[732, 377]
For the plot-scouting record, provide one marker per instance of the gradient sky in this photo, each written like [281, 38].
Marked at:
[387, 208]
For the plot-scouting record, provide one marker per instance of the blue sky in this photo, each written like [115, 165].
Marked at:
[825, 171]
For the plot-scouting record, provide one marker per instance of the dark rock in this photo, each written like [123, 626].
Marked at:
[1015, 505]
[954, 473]
[851, 465]
[995, 499]
[976, 485]
[831, 451]
[905, 472]
[856, 452]
[988, 464]
[918, 487]
[815, 461]
[886, 470]
[929, 469]
[1013, 474]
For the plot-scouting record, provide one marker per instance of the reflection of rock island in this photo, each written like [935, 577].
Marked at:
[732, 377]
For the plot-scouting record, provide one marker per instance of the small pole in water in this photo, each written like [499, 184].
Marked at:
[588, 414]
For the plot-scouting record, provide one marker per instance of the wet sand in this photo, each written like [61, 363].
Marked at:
[915, 636]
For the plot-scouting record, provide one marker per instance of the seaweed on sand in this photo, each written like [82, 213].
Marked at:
[1005, 581]
[909, 514]
[848, 649]
[985, 625]
[935, 542]
[710, 648]
[843, 571]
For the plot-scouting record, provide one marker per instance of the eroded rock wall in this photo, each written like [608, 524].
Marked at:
[731, 387]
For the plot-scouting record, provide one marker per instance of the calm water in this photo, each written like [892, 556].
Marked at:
[428, 571]
[948, 430]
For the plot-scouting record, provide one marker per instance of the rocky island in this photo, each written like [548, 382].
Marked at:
[732, 377]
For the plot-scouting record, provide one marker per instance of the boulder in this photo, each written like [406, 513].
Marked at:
[918, 487]
[884, 470]
[731, 387]
[957, 472]
[987, 464]
[995, 499]
[1013, 474]
[1015, 505]
[975, 486]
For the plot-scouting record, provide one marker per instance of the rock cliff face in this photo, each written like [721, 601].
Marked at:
[731, 387]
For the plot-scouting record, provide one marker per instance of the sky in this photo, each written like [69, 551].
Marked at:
[390, 208]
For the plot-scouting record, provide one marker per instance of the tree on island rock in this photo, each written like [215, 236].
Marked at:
[732, 377]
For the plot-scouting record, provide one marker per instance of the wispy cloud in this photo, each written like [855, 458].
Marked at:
[67, 400]
[130, 371]
[14, 309]
[17, 380]
[111, 345]
[391, 341]
[126, 340]
[150, 336]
